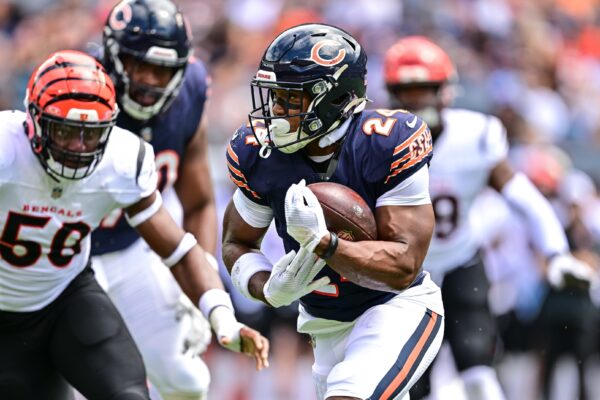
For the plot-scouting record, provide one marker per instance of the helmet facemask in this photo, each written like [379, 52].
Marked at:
[330, 104]
[51, 137]
[164, 95]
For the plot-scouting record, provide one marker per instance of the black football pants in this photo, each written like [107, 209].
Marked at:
[78, 339]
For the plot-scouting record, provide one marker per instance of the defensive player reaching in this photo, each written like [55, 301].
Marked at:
[470, 154]
[375, 317]
[161, 91]
[60, 174]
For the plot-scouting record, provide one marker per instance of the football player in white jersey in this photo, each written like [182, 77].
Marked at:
[470, 154]
[60, 174]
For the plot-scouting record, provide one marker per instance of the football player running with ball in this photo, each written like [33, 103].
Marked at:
[161, 90]
[470, 155]
[375, 317]
[63, 167]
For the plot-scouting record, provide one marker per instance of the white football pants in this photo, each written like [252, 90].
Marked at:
[170, 332]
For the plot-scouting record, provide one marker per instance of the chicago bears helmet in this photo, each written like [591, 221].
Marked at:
[318, 60]
[71, 110]
[151, 31]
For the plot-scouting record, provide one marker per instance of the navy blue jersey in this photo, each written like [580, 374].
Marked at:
[381, 149]
[169, 133]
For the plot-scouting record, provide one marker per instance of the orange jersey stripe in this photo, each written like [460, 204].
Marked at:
[407, 165]
[411, 359]
[396, 163]
[408, 141]
[232, 154]
[243, 185]
[235, 171]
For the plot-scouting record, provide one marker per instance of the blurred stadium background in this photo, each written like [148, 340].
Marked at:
[534, 63]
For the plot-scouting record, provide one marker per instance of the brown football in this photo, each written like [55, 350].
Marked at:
[346, 213]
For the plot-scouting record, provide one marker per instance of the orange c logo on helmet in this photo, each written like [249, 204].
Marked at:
[316, 57]
[116, 23]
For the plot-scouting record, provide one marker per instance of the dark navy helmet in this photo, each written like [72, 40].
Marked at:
[318, 60]
[150, 31]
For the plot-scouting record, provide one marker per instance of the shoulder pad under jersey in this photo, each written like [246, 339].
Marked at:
[130, 172]
[396, 143]
[242, 152]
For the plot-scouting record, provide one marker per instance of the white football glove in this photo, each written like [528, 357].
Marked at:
[304, 216]
[564, 266]
[292, 277]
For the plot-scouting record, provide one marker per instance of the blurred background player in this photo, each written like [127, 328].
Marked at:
[64, 166]
[161, 90]
[375, 326]
[470, 154]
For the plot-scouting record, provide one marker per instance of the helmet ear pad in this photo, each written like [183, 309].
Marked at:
[336, 104]
[321, 60]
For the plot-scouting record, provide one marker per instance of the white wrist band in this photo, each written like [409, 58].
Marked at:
[146, 213]
[185, 244]
[213, 298]
[245, 267]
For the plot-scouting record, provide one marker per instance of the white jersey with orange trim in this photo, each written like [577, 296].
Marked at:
[467, 150]
[46, 223]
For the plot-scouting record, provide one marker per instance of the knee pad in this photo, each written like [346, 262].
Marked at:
[186, 378]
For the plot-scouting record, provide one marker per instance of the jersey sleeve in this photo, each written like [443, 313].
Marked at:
[241, 154]
[394, 157]
[135, 171]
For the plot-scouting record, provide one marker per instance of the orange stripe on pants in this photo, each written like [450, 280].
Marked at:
[397, 381]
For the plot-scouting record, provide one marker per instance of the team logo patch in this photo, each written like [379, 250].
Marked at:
[315, 53]
[120, 16]
[346, 235]
[56, 192]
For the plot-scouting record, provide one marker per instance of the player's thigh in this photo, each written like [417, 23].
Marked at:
[26, 371]
[385, 352]
[139, 285]
[93, 349]
[471, 328]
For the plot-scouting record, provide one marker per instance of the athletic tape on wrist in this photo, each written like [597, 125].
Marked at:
[185, 244]
[245, 267]
[213, 298]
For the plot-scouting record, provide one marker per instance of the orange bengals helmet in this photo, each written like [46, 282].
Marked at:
[71, 109]
[417, 61]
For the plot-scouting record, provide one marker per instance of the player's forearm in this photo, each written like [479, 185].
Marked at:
[378, 265]
[202, 223]
[547, 233]
[195, 276]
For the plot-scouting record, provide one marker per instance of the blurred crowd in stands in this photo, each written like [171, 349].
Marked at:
[533, 63]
